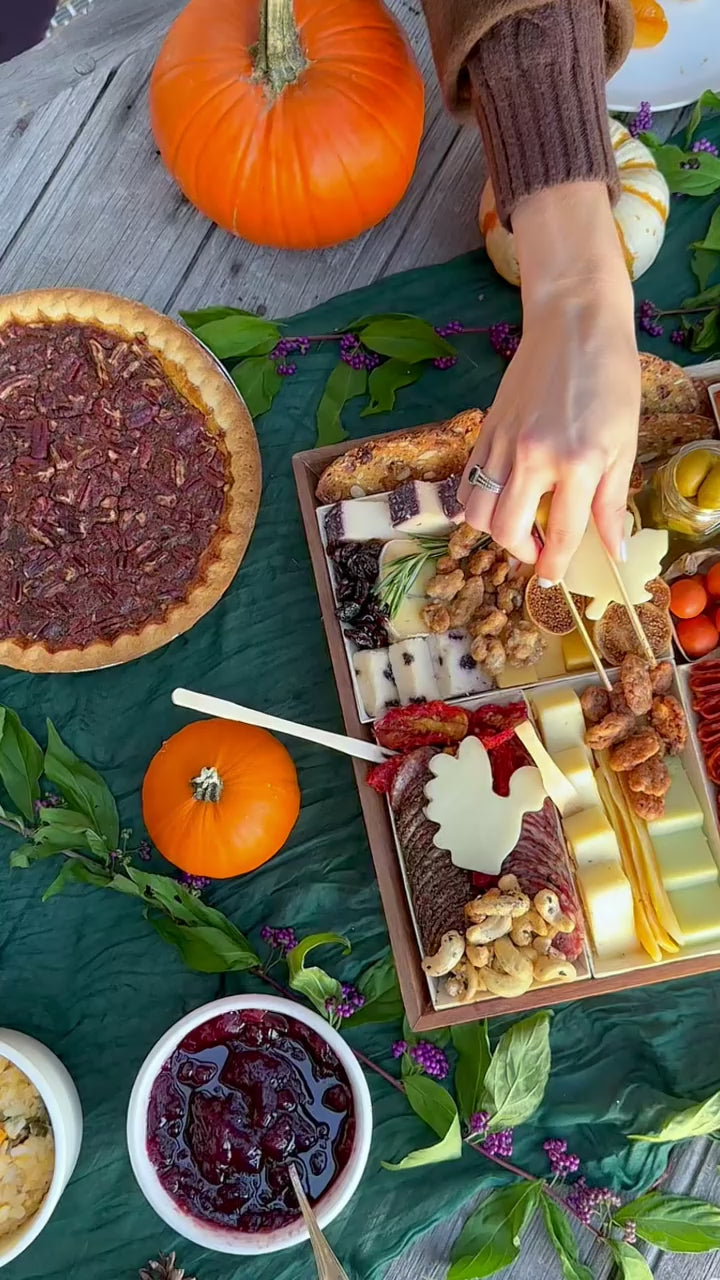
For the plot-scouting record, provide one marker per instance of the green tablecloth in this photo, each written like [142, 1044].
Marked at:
[88, 976]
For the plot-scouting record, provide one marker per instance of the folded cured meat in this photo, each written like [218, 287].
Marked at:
[439, 889]
[540, 861]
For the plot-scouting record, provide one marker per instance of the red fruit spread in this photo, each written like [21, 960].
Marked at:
[242, 1096]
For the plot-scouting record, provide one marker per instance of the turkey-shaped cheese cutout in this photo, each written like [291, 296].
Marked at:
[590, 573]
[478, 827]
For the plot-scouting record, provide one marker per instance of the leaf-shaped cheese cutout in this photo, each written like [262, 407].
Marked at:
[478, 827]
[590, 573]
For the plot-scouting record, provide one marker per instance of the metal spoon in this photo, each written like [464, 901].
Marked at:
[328, 1267]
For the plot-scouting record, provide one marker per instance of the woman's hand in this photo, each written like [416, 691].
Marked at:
[565, 419]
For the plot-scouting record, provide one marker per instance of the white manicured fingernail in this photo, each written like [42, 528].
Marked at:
[545, 583]
[623, 551]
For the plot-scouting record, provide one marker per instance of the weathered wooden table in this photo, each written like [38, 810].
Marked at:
[85, 201]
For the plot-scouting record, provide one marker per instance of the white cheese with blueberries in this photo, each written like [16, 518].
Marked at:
[375, 680]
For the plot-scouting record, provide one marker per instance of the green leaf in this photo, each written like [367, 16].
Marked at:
[21, 762]
[712, 235]
[258, 382]
[362, 321]
[706, 336]
[434, 1105]
[194, 319]
[82, 787]
[678, 1224]
[702, 180]
[68, 829]
[703, 264]
[490, 1239]
[384, 381]
[408, 340]
[315, 984]
[473, 1049]
[15, 819]
[563, 1240]
[23, 856]
[693, 1122]
[708, 101]
[204, 948]
[518, 1074]
[343, 384]
[383, 1001]
[708, 298]
[239, 335]
[73, 873]
[631, 1264]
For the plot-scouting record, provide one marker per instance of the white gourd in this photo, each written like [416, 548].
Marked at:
[640, 213]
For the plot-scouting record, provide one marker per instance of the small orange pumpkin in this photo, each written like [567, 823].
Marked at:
[293, 123]
[220, 798]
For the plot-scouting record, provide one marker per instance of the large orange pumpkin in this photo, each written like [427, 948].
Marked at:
[220, 798]
[293, 123]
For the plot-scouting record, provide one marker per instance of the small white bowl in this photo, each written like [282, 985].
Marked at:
[222, 1239]
[56, 1088]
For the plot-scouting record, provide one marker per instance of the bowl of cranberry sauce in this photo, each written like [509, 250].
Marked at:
[231, 1096]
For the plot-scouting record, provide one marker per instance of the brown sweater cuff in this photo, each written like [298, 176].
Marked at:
[538, 87]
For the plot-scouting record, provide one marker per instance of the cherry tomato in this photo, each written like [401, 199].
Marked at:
[712, 582]
[697, 636]
[716, 618]
[688, 597]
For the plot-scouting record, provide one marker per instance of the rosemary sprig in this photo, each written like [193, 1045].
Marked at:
[397, 581]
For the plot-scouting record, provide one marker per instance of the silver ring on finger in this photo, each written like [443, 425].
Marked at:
[481, 480]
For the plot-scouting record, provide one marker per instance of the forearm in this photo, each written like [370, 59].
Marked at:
[566, 237]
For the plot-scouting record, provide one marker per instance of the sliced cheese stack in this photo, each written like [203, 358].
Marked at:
[561, 719]
[407, 619]
[457, 673]
[685, 861]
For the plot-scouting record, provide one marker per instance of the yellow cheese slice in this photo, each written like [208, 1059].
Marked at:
[697, 910]
[515, 677]
[608, 901]
[576, 654]
[575, 765]
[684, 858]
[651, 874]
[559, 788]
[560, 717]
[552, 662]
[590, 572]
[644, 916]
[591, 838]
[682, 807]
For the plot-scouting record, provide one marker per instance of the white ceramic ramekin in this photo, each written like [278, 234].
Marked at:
[60, 1096]
[208, 1235]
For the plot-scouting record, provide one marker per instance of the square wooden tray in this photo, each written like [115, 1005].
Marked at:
[307, 468]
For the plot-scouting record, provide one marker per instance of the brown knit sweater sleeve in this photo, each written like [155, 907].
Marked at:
[534, 73]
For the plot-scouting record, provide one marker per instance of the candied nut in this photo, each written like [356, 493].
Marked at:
[651, 777]
[466, 602]
[661, 677]
[480, 561]
[496, 658]
[646, 806]
[446, 564]
[445, 586]
[499, 573]
[618, 701]
[611, 729]
[479, 648]
[634, 750]
[595, 703]
[509, 598]
[668, 719]
[436, 618]
[492, 622]
[463, 539]
[635, 684]
[524, 644]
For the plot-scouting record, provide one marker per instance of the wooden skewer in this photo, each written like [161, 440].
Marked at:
[630, 607]
[580, 624]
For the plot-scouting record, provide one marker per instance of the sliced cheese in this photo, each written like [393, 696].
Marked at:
[608, 902]
[478, 827]
[682, 807]
[697, 910]
[591, 838]
[684, 858]
[551, 664]
[412, 671]
[376, 684]
[574, 763]
[559, 788]
[590, 572]
[576, 655]
[407, 620]
[560, 717]
[646, 927]
[649, 871]
[514, 677]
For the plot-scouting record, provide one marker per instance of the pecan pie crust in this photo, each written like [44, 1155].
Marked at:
[222, 454]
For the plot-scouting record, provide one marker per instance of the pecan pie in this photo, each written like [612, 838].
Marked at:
[129, 480]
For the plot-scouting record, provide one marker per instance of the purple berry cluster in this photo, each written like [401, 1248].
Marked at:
[399, 1048]
[282, 940]
[447, 330]
[430, 1059]
[195, 884]
[642, 122]
[348, 1003]
[49, 801]
[282, 349]
[504, 339]
[499, 1144]
[647, 319]
[144, 851]
[679, 337]
[630, 1233]
[561, 1163]
[704, 144]
[584, 1201]
[354, 354]
[478, 1123]
[445, 362]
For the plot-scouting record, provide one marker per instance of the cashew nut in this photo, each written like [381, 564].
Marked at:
[495, 903]
[478, 956]
[450, 951]
[554, 969]
[547, 904]
[464, 983]
[488, 930]
[532, 921]
[522, 931]
[509, 959]
[542, 945]
[529, 952]
[507, 984]
[508, 884]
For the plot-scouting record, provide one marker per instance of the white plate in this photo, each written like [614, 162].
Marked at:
[676, 71]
